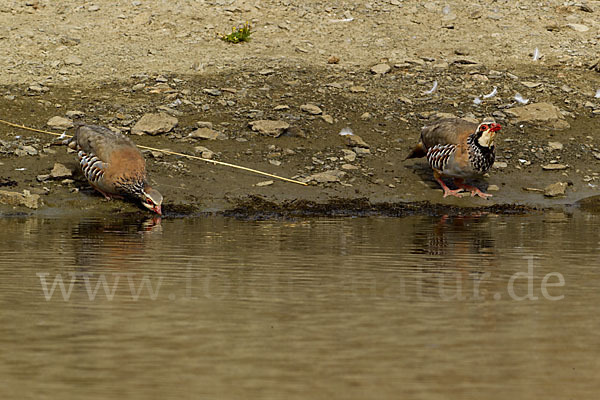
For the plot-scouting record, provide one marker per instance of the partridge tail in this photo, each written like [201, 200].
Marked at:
[417, 152]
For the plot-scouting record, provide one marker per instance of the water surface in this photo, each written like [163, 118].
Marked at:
[416, 307]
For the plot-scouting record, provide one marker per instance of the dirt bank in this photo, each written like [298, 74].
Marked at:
[146, 67]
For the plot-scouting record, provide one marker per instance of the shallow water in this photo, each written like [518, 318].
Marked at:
[417, 307]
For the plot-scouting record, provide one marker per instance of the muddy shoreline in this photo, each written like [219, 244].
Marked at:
[313, 87]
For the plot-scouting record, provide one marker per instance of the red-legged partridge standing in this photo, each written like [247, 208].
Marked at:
[458, 149]
[113, 165]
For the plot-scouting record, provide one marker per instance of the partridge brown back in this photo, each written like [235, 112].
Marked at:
[447, 131]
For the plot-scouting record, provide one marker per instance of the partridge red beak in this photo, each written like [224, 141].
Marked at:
[158, 210]
[495, 127]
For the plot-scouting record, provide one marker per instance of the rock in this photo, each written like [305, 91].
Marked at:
[311, 109]
[269, 127]
[380, 69]
[205, 152]
[154, 124]
[60, 171]
[327, 118]
[361, 151]
[204, 124]
[207, 134]
[358, 89]
[281, 107]
[59, 123]
[264, 183]
[75, 114]
[20, 199]
[333, 60]
[365, 116]
[349, 167]
[43, 177]
[276, 163]
[555, 145]
[72, 60]
[349, 155]
[327, 176]
[500, 164]
[30, 150]
[138, 86]
[596, 155]
[556, 189]
[578, 27]
[493, 188]
[542, 115]
[554, 167]
[355, 141]
[213, 92]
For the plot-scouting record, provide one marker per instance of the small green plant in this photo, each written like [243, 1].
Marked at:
[238, 34]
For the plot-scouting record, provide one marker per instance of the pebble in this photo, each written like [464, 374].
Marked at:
[60, 171]
[578, 27]
[154, 124]
[204, 152]
[59, 123]
[554, 167]
[204, 124]
[361, 151]
[349, 155]
[20, 199]
[213, 92]
[327, 118]
[355, 141]
[327, 176]
[75, 114]
[555, 145]
[365, 116]
[358, 89]
[349, 167]
[500, 164]
[311, 109]
[72, 60]
[207, 134]
[493, 188]
[333, 60]
[380, 69]
[274, 128]
[556, 189]
[281, 108]
[265, 183]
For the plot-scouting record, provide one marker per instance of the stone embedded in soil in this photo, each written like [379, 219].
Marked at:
[59, 123]
[60, 171]
[205, 153]
[204, 124]
[20, 199]
[207, 134]
[358, 89]
[578, 27]
[311, 109]
[264, 183]
[154, 124]
[555, 145]
[213, 92]
[349, 155]
[556, 189]
[554, 167]
[75, 114]
[274, 128]
[333, 60]
[72, 60]
[500, 164]
[493, 188]
[326, 176]
[541, 115]
[327, 118]
[380, 69]
[355, 141]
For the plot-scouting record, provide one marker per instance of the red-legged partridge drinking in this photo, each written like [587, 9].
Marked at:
[458, 149]
[113, 165]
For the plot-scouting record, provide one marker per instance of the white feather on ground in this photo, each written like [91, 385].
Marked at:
[520, 99]
[346, 132]
[435, 85]
[597, 94]
[491, 94]
[536, 54]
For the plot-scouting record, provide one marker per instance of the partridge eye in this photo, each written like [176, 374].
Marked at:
[484, 127]
[148, 201]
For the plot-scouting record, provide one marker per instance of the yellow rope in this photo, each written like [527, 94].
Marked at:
[167, 152]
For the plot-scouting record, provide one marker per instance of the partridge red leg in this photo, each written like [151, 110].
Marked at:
[474, 191]
[447, 190]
